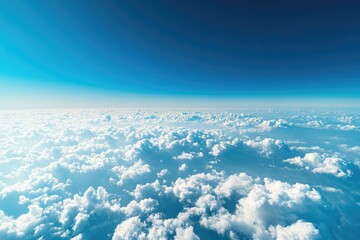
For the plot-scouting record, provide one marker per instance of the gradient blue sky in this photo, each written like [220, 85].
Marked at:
[68, 51]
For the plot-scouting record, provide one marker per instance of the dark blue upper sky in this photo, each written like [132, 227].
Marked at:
[211, 48]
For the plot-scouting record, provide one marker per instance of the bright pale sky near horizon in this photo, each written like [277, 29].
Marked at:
[69, 51]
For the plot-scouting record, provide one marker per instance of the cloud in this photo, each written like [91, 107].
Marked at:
[188, 156]
[137, 208]
[178, 174]
[186, 234]
[240, 183]
[319, 163]
[128, 230]
[76, 211]
[147, 189]
[23, 225]
[264, 204]
[268, 146]
[183, 167]
[162, 173]
[194, 186]
[138, 169]
[299, 230]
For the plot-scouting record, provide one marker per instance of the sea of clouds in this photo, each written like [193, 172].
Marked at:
[180, 174]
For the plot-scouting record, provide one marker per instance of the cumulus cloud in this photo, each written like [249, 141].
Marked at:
[178, 174]
[162, 173]
[268, 146]
[240, 183]
[128, 230]
[318, 163]
[183, 167]
[138, 169]
[137, 208]
[186, 234]
[23, 225]
[194, 186]
[262, 205]
[299, 231]
[76, 211]
[142, 190]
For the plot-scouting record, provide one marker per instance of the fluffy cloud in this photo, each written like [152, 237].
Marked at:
[318, 163]
[21, 226]
[137, 208]
[162, 173]
[178, 174]
[128, 230]
[268, 146]
[298, 231]
[138, 169]
[76, 211]
[194, 186]
[183, 167]
[186, 234]
[240, 183]
[261, 206]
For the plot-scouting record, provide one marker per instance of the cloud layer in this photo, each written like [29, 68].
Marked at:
[179, 174]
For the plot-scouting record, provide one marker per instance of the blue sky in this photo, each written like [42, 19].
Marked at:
[90, 50]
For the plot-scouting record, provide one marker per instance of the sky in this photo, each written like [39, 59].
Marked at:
[106, 52]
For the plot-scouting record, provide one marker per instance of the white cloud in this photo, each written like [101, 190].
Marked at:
[240, 183]
[76, 211]
[267, 146]
[183, 167]
[129, 229]
[23, 225]
[138, 169]
[297, 231]
[137, 208]
[142, 190]
[272, 201]
[62, 166]
[194, 186]
[318, 163]
[162, 173]
[186, 234]
[185, 156]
